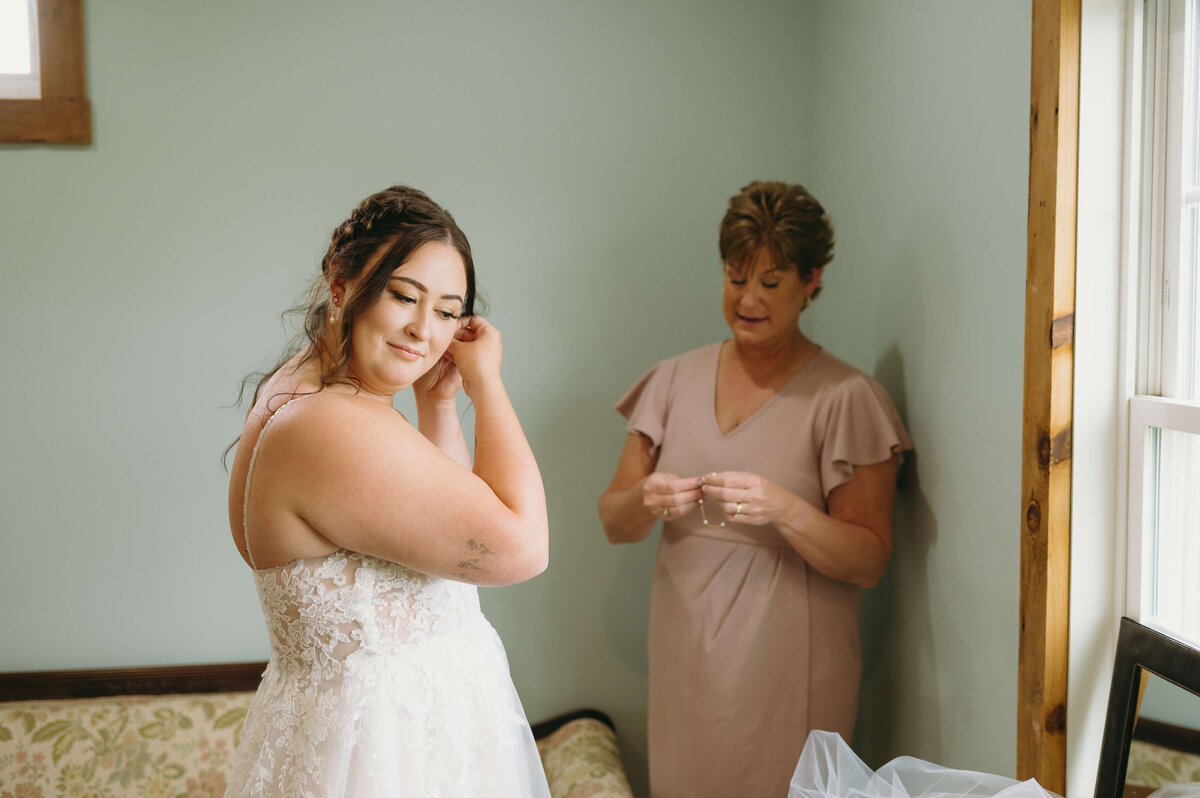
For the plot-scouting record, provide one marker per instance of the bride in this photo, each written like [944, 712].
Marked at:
[367, 537]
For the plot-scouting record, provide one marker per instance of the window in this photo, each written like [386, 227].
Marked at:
[43, 96]
[1163, 560]
[18, 50]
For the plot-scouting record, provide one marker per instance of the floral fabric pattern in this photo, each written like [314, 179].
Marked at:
[582, 761]
[145, 746]
[182, 746]
[1155, 766]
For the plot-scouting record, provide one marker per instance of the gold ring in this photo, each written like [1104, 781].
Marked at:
[737, 510]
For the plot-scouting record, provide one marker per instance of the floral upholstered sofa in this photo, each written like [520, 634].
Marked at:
[1152, 766]
[172, 732]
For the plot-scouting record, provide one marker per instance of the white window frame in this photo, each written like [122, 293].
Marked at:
[1156, 203]
[1147, 413]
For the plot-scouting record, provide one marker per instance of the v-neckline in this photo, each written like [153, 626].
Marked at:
[716, 373]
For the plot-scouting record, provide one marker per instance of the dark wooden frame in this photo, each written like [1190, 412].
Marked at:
[163, 680]
[1140, 649]
[1045, 528]
[63, 115]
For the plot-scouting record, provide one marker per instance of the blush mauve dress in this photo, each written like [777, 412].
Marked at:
[750, 648]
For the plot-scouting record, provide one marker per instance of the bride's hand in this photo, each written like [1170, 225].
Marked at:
[441, 383]
[476, 351]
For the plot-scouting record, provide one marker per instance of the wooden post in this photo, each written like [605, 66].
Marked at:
[1049, 372]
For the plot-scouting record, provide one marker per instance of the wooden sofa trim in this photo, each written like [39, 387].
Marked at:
[548, 727]
[235, 677]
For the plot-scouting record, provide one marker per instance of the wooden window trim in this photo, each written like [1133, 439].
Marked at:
[63, 114]
[1049, 375]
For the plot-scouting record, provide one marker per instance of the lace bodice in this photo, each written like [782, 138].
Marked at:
[324, 610]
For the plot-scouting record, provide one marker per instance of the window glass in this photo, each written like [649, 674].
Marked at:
[1189, 285]
[19, 50]
[1164, 443]
[16, 52]
[1174, 566]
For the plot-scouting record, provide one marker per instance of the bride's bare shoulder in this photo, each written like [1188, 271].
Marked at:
[297, 386]
[330, 408]
[325, 440]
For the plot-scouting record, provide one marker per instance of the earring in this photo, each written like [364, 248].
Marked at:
[333, 314]
[806, 303]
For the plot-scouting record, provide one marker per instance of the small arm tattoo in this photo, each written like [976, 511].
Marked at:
[479, 546]
[470, 566]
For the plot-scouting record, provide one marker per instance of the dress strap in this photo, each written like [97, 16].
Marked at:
[250, 471]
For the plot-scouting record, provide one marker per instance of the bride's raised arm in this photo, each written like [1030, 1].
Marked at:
[364, 478]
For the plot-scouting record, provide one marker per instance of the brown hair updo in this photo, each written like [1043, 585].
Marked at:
[396, 221]
[782, 218]
[389, 226]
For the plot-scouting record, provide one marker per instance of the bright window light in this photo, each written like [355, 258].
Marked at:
[18, 50]
[1175, 596]
[1163, 587]
[16, 57]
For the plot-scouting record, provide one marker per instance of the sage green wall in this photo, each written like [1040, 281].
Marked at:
[1168, 702]
[920, 131]
[586, 148]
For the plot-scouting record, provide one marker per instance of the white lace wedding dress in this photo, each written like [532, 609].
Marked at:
[382, 682]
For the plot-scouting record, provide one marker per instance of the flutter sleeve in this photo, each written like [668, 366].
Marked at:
[863, 428]
[648, 402]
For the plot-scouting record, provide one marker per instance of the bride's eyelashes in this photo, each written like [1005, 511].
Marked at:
[408, 299]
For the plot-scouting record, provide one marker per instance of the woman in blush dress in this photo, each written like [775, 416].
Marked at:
[367, 535]
[772, 466]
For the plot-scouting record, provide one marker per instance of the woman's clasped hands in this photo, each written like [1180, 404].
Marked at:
[669, 496]
[742, 497]
[747, 498]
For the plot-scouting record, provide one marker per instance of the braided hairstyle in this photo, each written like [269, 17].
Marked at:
[782, 218]
[388, 227]
[391, 226]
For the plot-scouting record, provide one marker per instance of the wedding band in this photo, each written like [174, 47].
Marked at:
[666, 511]
[737, 510]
